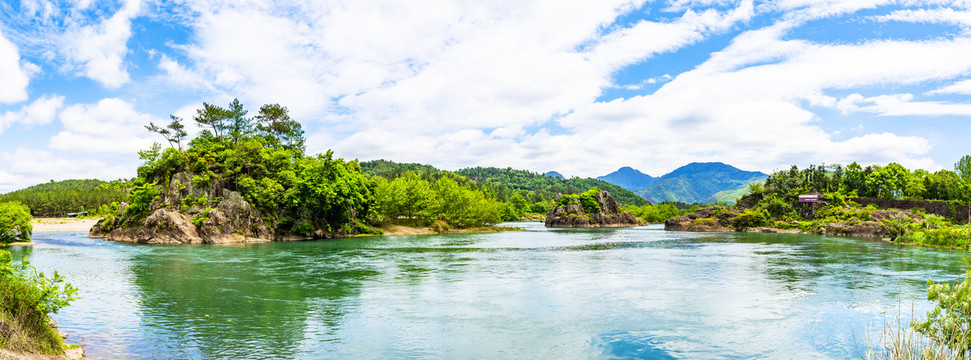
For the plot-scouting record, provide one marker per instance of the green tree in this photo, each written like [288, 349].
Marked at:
[275, 123]
[212, 116]
[174, 133]
[14, 222]
[963, 168]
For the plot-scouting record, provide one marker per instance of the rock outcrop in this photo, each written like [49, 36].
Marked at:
[712, 219]
[607, 214]
[187, 214]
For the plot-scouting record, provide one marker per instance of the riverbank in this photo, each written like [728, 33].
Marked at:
[42, 225]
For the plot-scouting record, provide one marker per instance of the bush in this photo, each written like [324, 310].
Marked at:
[14, 222]
[949, 323]
[751, 218]
[27, 297]
[140, 201]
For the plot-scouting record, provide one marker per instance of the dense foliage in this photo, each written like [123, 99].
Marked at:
[656, 214]
[14, 222]
[519, 192]
[538, 188]
[263, 158]
[27, 296]
[777, 199]
[949, 323]
[892, 181]
[69, 196]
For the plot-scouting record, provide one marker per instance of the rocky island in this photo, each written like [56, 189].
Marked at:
[184, 214]
[594, 208]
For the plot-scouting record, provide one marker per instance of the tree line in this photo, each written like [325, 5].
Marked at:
[58, 198]
[892, 181]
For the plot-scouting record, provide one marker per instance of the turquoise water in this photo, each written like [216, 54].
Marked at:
[564, 293]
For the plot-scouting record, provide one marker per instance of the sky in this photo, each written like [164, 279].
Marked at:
[578, 87]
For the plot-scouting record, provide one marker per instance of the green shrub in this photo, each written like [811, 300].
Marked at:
[751, 218]
[14, 222]
[949, 323]
[303, 228]
[140, 200]
[27, 297]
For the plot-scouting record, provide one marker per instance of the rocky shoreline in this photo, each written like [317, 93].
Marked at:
[723, 219]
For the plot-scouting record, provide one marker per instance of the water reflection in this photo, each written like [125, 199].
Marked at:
[590, 293]
[246, 302]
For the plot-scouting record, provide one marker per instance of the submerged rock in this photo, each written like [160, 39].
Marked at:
[607, 214]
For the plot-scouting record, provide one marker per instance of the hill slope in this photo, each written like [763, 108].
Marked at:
[702, 183]
[57, 198]
[629, 178]
[692, 183]
[505, 183]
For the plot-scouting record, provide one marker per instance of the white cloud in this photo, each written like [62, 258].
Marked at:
[100, 49]
[111, 125]
[23, 167]
[902, 105]
[937, 16]
[39, 112]
[13, 87]
[962, 87]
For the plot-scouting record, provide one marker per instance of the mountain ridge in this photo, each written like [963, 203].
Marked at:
[696, 182]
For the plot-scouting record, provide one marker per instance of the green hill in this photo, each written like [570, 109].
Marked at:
[506, 183]
[58, 198]
[543, 187]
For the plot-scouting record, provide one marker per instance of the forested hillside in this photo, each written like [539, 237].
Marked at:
[538, 187]
[58, 198]
[508, 185]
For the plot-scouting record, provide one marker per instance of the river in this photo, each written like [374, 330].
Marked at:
[540, 293]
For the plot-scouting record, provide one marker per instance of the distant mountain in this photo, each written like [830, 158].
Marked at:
[555, 175]
[629, 178]
[703, 183]
[692, 183]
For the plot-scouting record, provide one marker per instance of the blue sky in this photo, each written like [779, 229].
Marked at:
[580, 87]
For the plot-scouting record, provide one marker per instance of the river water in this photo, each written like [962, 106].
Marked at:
[540, 293]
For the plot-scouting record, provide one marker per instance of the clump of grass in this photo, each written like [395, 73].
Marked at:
[904, 343]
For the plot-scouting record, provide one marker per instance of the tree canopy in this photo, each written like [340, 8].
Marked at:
[14, 222]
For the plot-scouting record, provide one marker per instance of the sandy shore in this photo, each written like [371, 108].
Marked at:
[399, 230]
[42, 225]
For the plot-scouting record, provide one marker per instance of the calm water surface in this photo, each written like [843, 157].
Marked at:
[564, 293]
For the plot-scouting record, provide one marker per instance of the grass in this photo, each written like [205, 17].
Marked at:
[946, 332]
[899, 343]
[23, 328]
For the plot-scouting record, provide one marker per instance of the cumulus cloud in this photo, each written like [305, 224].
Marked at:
[520, 83]
[13, 87]
[110, 125]
[40, 112]
[100, 49]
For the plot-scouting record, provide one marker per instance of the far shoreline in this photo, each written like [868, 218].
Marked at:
[62, 224]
